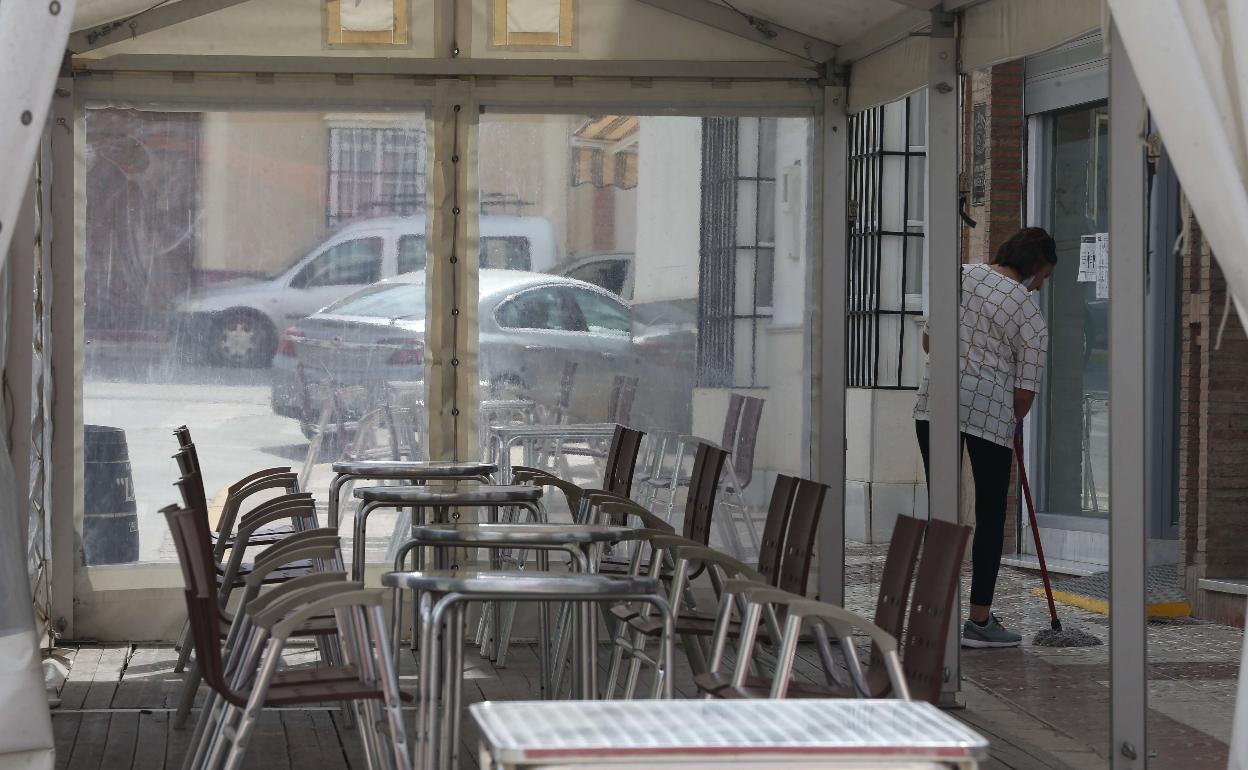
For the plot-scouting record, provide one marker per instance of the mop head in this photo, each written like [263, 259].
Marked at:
[1065, 637]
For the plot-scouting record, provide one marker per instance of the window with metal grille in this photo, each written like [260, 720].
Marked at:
[737, 250]
[375, 172]
[887, 169]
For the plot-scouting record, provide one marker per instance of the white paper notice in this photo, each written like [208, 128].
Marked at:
[535, 16]
[367, 15]
[1087, 259]
[1102, 265]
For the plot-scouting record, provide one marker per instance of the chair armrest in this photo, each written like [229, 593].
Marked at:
[531, 473]
[691, 551]
[293, 541]
[282, 590]
[367, 597]
[323, 548]
[244, 482]
[295, 514]
[275, 611]
[297, 501]
[630, 508]
[234, 498]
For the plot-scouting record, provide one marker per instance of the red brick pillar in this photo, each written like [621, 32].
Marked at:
[1000, 214]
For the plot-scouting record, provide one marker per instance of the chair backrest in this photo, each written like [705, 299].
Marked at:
[190, 539]
[191, 484]
[799, 542]
[927, 629]
[731, 419]
[622, 461]
[708, 464]
[185, 444]
[895, 583]
[771, 549]
[623, 393]
[747, 439]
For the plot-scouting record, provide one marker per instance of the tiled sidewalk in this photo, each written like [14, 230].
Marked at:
[1193, 670]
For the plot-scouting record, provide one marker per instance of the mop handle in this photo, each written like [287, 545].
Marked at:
[1035, 528]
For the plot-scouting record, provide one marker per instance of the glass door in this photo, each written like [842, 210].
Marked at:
[1074, 421]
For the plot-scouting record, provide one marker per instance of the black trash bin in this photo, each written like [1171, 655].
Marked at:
[110, 525]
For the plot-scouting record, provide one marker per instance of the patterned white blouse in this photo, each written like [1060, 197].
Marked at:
[1003, 341]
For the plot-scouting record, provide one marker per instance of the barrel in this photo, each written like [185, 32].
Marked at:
[110, 524]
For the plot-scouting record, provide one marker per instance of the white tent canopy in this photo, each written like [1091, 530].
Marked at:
[1191, 58]
[879, 50]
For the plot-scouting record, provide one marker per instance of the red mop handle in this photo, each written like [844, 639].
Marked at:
[1035, 528]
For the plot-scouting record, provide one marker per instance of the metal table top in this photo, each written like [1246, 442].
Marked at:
[521, 534]
[545, 431]
[414, 469]
[457, 494]
[550, 585]
[567, 732]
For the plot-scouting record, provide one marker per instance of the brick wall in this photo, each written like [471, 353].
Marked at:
[1213, 438]
[1001, 213]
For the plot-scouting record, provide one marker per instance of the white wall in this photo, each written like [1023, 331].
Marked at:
[883, 467]
[669, 180]
[792, 143]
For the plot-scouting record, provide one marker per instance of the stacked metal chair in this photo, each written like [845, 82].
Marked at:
[242, 674]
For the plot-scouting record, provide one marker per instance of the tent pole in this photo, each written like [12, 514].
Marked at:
[832, 308]
[944, 266]
[1128, 656]
[61, 288]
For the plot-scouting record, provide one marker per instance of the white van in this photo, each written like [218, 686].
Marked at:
[238, 323]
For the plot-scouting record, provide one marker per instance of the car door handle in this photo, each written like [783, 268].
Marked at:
[535, 348]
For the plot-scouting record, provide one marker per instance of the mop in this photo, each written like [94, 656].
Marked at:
[1055, 636]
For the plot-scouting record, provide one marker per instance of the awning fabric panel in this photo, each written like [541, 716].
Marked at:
[30, 41]
[888, 74]
[1191, 59]
[1003, 30]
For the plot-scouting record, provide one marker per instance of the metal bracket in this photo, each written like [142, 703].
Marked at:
[944, 24]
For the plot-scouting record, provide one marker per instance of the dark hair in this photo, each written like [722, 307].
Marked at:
[1027, 251]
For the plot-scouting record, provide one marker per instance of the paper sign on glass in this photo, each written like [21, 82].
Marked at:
[1102, 265]
[1087, 259]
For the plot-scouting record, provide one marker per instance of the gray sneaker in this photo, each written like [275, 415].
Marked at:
[993, 634]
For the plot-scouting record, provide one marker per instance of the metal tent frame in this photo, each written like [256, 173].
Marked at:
[891, 48]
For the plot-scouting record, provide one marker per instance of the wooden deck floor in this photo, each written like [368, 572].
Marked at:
[117, 703]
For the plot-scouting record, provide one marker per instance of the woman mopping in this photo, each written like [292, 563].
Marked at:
[1002, 343]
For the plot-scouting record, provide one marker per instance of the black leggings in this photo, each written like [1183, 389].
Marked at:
[990, 465]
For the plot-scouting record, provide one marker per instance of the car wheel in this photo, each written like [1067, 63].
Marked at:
[241, 338]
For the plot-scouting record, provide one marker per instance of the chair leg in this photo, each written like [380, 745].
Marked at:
[184, 648]
[186, 699]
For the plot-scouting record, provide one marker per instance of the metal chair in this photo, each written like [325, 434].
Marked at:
[796, 610]
[708, 464]
[255, 682]
[641, 625]
[666, 479]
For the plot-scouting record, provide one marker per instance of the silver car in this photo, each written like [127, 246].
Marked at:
[531, 324]
[238, 323]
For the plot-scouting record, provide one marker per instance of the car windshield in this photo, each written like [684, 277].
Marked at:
[388, 300]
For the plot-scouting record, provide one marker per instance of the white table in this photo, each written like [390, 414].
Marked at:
[725, 733]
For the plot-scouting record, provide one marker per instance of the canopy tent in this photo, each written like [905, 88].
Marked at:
[859, 53]
[1191, 58]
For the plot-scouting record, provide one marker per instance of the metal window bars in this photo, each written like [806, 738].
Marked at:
[885, 243]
